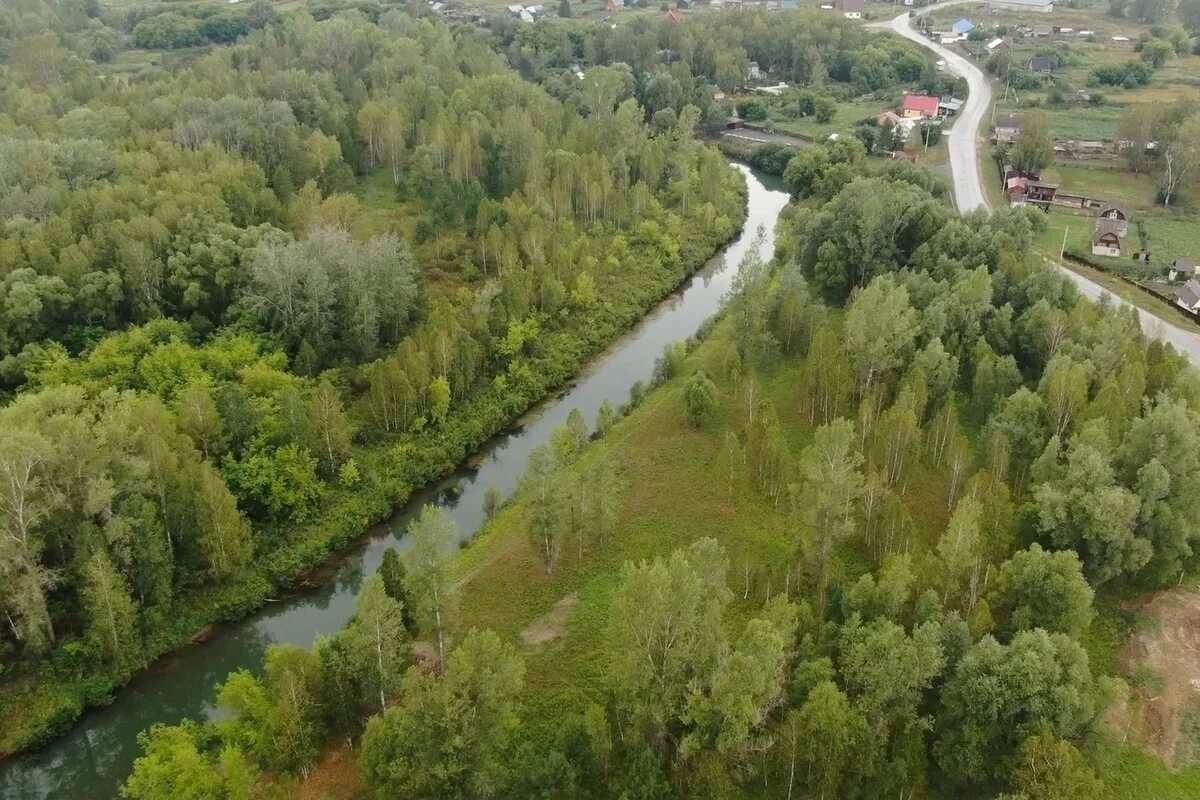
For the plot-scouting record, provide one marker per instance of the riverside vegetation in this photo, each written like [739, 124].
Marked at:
[861, 540]
[250, 303]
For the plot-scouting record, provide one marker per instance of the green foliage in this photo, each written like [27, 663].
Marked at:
[450, 738]
[1040, 589]
[700, 399]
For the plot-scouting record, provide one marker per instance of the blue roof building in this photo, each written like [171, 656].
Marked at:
[963, 26]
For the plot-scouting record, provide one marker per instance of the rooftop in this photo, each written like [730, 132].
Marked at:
[925, 104]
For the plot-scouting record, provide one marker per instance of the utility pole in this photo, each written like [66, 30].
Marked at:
[1063, 249]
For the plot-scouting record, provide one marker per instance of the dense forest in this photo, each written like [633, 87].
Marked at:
[252, 301]
[945, 454]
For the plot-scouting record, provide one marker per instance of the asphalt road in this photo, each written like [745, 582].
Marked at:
[968, 187]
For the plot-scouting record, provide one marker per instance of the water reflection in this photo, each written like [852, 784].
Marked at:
[93, 759]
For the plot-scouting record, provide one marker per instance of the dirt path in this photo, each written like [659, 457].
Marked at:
[550, 626]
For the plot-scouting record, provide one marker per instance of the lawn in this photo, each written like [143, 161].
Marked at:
[844, 121]
[1136, 192]
[1171, 238]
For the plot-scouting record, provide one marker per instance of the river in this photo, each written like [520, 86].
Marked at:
[94, 758]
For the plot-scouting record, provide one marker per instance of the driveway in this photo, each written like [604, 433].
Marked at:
[968, 187]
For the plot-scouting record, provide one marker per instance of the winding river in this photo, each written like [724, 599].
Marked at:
[94, 758]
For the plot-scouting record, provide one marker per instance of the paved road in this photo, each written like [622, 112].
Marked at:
[968, 187]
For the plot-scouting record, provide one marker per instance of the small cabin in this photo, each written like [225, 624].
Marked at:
[1115, 213]
[1106, 240]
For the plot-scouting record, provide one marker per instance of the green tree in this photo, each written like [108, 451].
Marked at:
[880, 329]
[172, 765]
[452, 735]
[112, 614]
[605, 419]
[700, 399]
[999, 695]
[276, 717]
[395, 583]
[1087, 510]
[664, 634]
[432, 539]
[1036, 588]
[829, 495]
[1033, 149]
[327, 429]
[1050, 768]
[542, 486]
[377, 639]
[821, 738]
[439, 398]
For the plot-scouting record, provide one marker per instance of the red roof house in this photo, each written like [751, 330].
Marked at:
[920, 105]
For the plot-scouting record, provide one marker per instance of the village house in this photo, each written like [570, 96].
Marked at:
[851, 9]
[1106, 240]
[1189, 296]
[919, 106]
[1007, 128]
[614, 6]
[1041, 65]
[1042, 31]
[753, 72]
[1185, 266]
[1115, 213]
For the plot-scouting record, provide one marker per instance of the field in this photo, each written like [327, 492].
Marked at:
[1178, 78]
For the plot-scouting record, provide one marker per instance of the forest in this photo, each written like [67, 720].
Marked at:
[866, 535]
[253, 302]
[853, 543]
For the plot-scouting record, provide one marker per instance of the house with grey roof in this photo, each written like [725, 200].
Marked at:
[1189, 296]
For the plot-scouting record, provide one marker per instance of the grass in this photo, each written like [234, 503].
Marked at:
[844, 121]
[1171, 238]
[1136, 192]
[1134, 775]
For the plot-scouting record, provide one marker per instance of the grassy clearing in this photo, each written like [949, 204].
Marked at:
[1171, 239]
[844, 121]
[1137, 192]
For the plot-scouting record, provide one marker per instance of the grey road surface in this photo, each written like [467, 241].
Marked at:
[968, 188]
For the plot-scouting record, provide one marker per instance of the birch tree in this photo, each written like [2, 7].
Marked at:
[432, 538]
